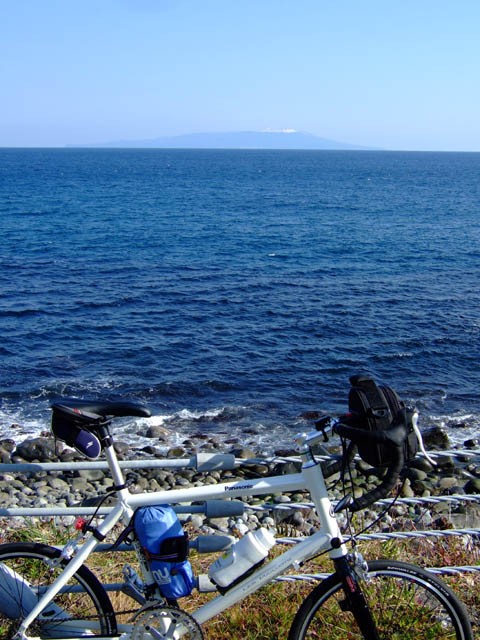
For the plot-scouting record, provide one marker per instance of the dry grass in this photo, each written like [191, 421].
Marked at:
[268, 614]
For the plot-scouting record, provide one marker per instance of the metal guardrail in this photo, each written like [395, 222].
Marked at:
[210, 462]
[202, 462]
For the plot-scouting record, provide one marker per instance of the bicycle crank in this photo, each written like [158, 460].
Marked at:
[165, 623]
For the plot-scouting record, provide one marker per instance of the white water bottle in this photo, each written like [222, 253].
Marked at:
[241, 557]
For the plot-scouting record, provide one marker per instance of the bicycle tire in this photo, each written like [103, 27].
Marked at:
[406, 602]
[82, 609]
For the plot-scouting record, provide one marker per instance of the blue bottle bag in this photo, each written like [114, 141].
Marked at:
[166, 548]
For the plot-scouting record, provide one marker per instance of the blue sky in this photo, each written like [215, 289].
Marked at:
[395, 74]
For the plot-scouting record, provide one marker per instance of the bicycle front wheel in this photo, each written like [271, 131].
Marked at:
[406, 602]
[81, 609]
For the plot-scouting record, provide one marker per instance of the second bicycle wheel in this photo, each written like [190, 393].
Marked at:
[81, 609]
[407, 603]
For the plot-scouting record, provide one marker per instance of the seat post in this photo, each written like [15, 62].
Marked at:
[111, 456]
[114, 466]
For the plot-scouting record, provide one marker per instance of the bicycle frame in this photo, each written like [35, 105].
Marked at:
[327, 539]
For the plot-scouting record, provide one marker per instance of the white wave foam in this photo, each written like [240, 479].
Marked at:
[156, 421]
[186, 414]
[18, 426]
[251, 429]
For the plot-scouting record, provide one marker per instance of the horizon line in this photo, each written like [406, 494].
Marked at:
[94, 146]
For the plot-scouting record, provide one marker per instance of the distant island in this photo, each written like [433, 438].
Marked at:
[285, 139]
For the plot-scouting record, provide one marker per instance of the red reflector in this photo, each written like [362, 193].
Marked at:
[80, 523]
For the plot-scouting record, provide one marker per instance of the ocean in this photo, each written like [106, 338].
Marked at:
[234, 291]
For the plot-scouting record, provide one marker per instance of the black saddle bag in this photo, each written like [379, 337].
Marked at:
[76, 428]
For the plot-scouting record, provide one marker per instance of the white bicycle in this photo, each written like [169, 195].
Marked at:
[47, 592]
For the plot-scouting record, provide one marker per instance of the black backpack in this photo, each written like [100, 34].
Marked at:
[377, 408]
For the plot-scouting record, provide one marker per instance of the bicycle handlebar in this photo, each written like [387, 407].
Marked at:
[393, 438]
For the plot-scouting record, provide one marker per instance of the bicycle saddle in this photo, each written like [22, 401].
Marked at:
[118, 409]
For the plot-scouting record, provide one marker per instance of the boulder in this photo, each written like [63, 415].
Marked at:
[436, 438]
[158, 432]
[473, 486]
[39, 449]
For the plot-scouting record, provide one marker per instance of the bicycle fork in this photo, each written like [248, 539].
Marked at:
[351, 574]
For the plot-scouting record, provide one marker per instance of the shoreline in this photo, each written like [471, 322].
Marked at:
[453, 475]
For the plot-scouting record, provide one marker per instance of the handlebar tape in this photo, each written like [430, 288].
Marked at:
[391, 476]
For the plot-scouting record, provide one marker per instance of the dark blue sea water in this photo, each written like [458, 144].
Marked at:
[235, 290]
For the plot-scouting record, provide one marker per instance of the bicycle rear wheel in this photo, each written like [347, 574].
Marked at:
[81, 609]
[406, 602]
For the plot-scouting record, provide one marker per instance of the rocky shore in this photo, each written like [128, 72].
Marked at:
[452, 475]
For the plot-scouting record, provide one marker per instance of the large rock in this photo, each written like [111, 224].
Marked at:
[436, 438]
[473, 485]
[39, 449]
[243, 452]
[157, 431]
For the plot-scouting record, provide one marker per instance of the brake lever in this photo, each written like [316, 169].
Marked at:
[325, 424]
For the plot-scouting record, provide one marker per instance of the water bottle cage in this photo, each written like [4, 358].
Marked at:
[247, 573]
